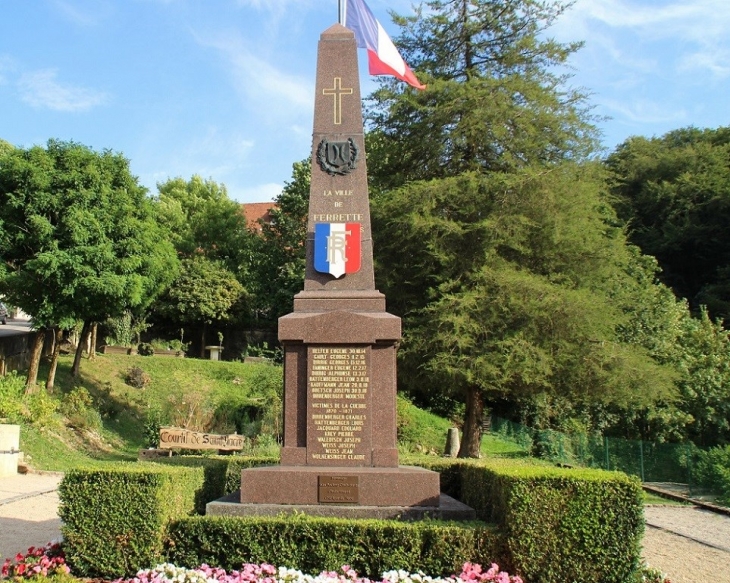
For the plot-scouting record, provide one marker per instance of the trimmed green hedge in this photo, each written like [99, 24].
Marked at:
[550, 524]
[558, 524]
[313, 544]
[222, 472]
[114, 520]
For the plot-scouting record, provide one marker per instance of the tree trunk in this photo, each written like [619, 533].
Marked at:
[35, 359]
[471, 443]
[58, 338]
[80, 349]
[92, 341]
[202, 341]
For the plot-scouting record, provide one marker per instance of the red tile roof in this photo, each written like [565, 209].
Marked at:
[257, 210]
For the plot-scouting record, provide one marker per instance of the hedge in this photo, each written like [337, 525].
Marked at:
[114, 520]
[311, 544]
[222, 472]
[557, 524]
[548, 524]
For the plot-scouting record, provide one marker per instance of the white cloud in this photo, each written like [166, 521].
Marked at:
[84, 12]
[645, 111]
[716, 62]
[261, 81]
[41, 89]
[702, 24]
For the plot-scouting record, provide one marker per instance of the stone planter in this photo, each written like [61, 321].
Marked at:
[9, 449]
[173, 353]
[118, 350]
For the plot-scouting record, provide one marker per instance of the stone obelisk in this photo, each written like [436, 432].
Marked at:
[340, 443]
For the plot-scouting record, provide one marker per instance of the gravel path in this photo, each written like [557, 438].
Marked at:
[28, 512]
[688, 544]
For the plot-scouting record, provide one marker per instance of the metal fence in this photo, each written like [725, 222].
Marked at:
[651, 462]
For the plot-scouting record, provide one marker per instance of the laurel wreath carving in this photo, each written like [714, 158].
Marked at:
[337, 170]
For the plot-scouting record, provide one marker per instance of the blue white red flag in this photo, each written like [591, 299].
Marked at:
[383, 56]
[337, 248]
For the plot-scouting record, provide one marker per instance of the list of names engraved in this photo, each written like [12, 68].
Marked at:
[339, 382]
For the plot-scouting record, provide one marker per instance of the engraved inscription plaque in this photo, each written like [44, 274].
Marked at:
[339, 490]
[339, 397]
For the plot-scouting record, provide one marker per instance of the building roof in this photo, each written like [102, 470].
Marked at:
[255, 211]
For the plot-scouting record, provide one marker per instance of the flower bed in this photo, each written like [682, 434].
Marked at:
[37, 562]
[265, 573]
[47, 561]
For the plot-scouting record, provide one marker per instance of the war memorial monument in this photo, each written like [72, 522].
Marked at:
[340, 455]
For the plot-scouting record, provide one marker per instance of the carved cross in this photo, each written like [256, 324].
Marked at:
[337, 92]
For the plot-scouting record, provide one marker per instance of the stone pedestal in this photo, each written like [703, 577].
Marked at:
[9, 449]
[340, 453]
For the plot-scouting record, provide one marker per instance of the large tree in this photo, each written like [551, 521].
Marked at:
[78, 237]
[674, 193]
[514, 287]
[495, 99]
[494, 239]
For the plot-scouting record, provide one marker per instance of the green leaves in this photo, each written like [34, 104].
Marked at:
[80, 240]
[674, 192]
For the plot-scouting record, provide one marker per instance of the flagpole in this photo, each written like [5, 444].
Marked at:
[342, 11]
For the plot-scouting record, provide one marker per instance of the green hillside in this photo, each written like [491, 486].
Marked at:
[118, 403]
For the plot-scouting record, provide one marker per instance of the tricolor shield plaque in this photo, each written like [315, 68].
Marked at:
[337, 248]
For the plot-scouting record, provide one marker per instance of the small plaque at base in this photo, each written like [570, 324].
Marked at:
[338, 490]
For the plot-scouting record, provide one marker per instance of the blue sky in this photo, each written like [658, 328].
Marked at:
[225, 88]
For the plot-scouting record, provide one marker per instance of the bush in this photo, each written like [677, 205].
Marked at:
[151, 429]
[550, 524]
[78, 408]
[712, 471]
[222, 473]
[370, 547]
[12, 387]
[145, 349]
[137, 378]
[557, 524]
[114, 520]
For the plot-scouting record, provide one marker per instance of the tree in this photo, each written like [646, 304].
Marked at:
[512, 287]
[279, 261]
[674, 194]
[477, 190]
[203, 293]
[202, 219]
[494, 100]
[78, 237]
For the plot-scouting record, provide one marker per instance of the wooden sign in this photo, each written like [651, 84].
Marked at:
[176, 438]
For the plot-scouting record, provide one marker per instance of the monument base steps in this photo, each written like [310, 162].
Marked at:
[364, 486]
[447, 509]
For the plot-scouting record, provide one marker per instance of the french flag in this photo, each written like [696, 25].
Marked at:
[383, 57]
[337, 248]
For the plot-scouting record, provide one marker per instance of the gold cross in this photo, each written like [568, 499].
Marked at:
[337, 92]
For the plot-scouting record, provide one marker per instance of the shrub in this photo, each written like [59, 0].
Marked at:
[12, 387]
[712, 471]
[557, 524]
[370, 547]
[41, 409]
[151, 429]
[145, 349]
[114, 520]
[137, 378]
[78, 408]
